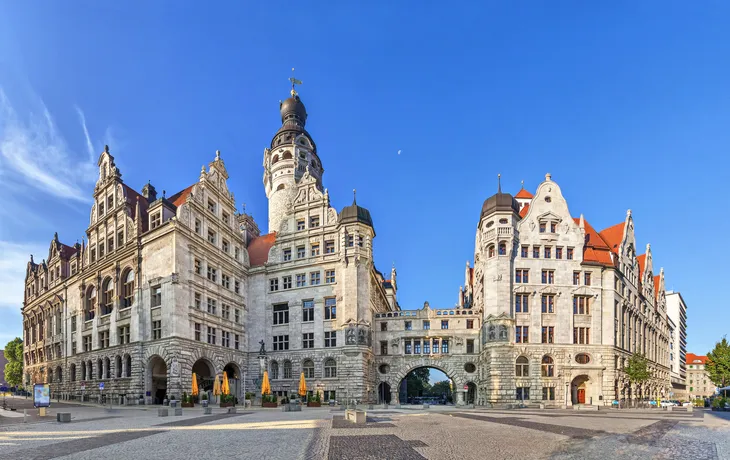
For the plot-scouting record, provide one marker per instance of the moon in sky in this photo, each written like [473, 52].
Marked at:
[399, 152]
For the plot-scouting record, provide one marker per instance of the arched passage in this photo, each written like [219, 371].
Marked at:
[422, 386]
[471, 393]
[383, 393]
[205, 373]
[581, 390]
[157, 379]
[233, 372]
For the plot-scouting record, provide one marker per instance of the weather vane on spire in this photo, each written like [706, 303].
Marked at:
[294, 81]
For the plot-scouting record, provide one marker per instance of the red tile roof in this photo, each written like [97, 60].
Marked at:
[181, 196]
[596, 250]
[258, 249]
[524, 194]
[696, 359]
[143, 204]
[613, 236]
[642, 263]
[523, 211]
[66, 251]
[657, 279]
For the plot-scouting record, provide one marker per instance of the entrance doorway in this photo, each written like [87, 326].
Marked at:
[157, 379]
[233, 374]
[471, 393]
[383, 393]
[581, 396]
[581, 390]
[203, 371]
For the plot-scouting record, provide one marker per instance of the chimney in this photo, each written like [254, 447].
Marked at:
[149, 192]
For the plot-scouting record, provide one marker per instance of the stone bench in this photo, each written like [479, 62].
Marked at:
[63, 417]
[162, 412]
[178, 411]
[357, 417]
[207, 410]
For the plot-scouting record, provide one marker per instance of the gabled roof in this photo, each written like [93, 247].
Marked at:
[524, 194]
[642, 263]
[657, 279]
[523, 211]
[181, 196]
[143, 203]
[67, 251]
[258, 249]
[613, 236]
[596, 249]
[696, 359]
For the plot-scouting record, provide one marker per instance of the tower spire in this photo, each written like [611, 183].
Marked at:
[294, 81]
[499, 183]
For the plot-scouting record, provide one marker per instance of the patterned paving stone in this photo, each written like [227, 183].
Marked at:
[376, 447]
[339, 422]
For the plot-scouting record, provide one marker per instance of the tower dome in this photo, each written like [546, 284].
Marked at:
[293, 120]
[500, 202]
[355, 213]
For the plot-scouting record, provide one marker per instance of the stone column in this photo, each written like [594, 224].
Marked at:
[460, 397]
[394, 397]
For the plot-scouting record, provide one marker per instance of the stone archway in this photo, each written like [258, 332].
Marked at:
[471, 393]
[404, 393]
[233, 372]
[581, 390]
[384, 393]
[205, 373]
[156, 379]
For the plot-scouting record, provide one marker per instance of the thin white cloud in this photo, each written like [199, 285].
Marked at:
[89, 144]
[37, 153]
[13, 260]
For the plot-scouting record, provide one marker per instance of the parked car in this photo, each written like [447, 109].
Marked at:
[667, 404]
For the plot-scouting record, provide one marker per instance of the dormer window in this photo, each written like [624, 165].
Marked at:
[543, 226]
[155, 220]
[553, 226]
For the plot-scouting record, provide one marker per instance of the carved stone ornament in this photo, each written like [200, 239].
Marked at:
[395, 342]
[175, 368]
[503, 332]
[185, 215]
[284, 225]
[532, 225]
[350, 338]
[492, 335]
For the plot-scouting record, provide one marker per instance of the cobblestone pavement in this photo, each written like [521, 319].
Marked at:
[442, 433]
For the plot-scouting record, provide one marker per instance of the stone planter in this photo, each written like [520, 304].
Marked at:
[174, 402]
[207, 410]
[187, 404]
[269, 404]
[226, 404]
[314, 404]
[204, 403]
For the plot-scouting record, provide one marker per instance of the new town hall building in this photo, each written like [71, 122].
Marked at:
[165, 286]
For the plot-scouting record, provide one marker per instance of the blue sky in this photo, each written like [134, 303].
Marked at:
[627, 104]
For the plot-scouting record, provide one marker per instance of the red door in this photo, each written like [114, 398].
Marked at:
[581, 396]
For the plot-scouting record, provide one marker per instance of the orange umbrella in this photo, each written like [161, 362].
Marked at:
[225, 388]
[216, 386]
[194, 392]
[302, 386]
[265, 385]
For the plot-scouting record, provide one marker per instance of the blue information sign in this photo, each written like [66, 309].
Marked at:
[101, 385]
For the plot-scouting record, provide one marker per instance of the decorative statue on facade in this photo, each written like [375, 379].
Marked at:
[262, 351]
[502, 332]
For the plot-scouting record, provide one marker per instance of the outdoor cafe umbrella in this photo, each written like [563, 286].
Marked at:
[216, 386]
[194, 391]
[265, 385]
[225, 389]
[302, 386]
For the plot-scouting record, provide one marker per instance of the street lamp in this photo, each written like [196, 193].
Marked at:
[567, 385]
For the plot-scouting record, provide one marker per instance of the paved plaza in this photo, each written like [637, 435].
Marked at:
[435, 433]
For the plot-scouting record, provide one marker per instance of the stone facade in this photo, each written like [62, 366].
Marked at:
[162, 288]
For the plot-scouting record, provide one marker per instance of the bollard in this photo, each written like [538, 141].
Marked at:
[25, 414]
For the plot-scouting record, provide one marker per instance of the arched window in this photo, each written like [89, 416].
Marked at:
[118, 367]
[330, 368]
[275, 159]
[72, 372]
[128, 367]
[308, 369]
[99, 369]
[490, 251]
[548, 366]
[522, 367]
[89, 308]
[83, 371]
[89, 371]
[274, 366]
[281, 187]
[502, 249]
[287, 155]
[107, 368]
[582, 358]
[59, 374]
[287, 369]
[128, 288]
[107, 297]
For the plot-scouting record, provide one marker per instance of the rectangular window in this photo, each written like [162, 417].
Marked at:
[155, 220]
[286, 282]
[300, 224]
[301, 280]
[273, 284]
[384, 327]
[225, 311]
[212, 274]
[435, 346]
[225, 339]
[101, 250]
[308, 340]
[576, 278]
[237, 252]
[330, 308]
[426, 347]
[211, 206]
[581, 335]
[93, 254]
[543, 226]
[198, 267]
[314, 250]
[569, 254]
[522, 275]
[104, 339]
[237, 315]
[237, 287]
[350, 241]
[548, 252]
[156, 330]
[211, 237]
[417, 347]
[329, 276]
[87, 343]
[73, 324]
[287, 254]
[470, 345]
[581, 305]
[156, 296]
[408, 325]
[548, 303]
[536, 252]
[301, 252]
[548, 276]
[211, 335]
[548, 334]
[110, 243]
[426, 325]
[522, 334]
[281, 343]
[314, 221]
[314, 278]
[524, 251]
[212, 307]
[73, 348]
[470, 324]
[444, 324]
[197, 331]
[281, 314]
[383, 347]
[308, 310]
[330, 339]
[101, 208]
[522, 303]
[225, 281]
[558, 253]
[587, 279]
[225, 245]
[444, 346]
[548, 393]
[123, 335]
[237, 342]
[409, 347]
[198, 226]
[553, 227]
[73, 269]
[329, 247]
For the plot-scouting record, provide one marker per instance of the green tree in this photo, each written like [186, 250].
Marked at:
[14, 366]
[417, 382]
[637, 369]
[718, 363]
[442, 388]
